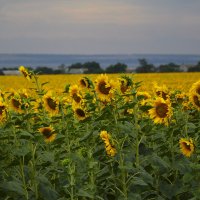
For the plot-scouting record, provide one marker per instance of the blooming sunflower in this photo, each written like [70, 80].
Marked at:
[161, 111]
[3, 112]
[75, 93]
[48, 133]
[161, 91]
[105, 88]
[51, 103]
[25, 72]
[125, 84]
[85, 82]
[110, 150]
[196, 88]
[195, 99]
[16, 104]
[80, 112]
[186, 146]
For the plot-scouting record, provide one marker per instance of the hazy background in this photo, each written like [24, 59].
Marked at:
[100, 26]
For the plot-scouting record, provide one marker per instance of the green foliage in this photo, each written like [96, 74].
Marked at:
[145, 67]
[171, 67]
[148, 163]
[117, 68]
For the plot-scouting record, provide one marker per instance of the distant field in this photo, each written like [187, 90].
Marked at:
[182, 81]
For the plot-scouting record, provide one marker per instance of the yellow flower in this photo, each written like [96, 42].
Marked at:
[75, 94]
[161, 111]
[196, 88]
[48, 133]
[25, 72]
[51, 103]
[105, 88]
[194, 95]
[16, 104]
[104, 135]
[84, 82]
[110, 150]
[3, 112]
[161, 91]
[80, 112]
[186, 146]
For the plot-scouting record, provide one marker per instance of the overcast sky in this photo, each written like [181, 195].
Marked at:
[100, 26]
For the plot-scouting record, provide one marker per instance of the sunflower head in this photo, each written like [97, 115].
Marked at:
[51, 103]
[25, 72]
[85, 82]
[186, 146]
[75, 94]
[161, 91]
[125, 83]
[161, 111]
[48, 133]
[80, 112]
[195, 100]
[16, 104]
[110, 150]
[196, 88]
[3, 111]
[105, 88]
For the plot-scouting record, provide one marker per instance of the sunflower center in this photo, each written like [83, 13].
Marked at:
[161, 110]
[47, 132]
[76, 98]
[196, 100]
[83, 83]
[103, 89]
[80, 112]
[16, 103]
[2, 108]
[186, 146]
[51, 103]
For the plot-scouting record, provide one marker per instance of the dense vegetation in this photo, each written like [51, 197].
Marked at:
[95, 68]
[99, 140]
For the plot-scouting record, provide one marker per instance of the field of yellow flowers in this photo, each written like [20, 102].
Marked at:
[182, 81]
[100, 137]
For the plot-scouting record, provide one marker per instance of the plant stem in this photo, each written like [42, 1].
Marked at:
[23, 178]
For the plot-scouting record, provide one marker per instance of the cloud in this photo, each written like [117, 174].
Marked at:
[114, 25]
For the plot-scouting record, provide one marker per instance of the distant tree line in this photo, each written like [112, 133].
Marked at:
[95, 68]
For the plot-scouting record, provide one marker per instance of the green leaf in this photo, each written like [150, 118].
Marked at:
[138, 181]
[83, 193]
[13, 186]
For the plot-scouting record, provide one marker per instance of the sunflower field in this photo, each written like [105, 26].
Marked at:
[100, 138]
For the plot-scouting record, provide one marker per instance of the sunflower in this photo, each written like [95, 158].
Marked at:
[25, 72]
[3, 112]
[105, 88]
[51, 103]
[195, 99]
[161, 91]
[48, 133]
[143, 97]
[125, 84]
[75, 93]
[110, 150]
[80, 112]
[161, 111]
[85, 83]
[196, 88]
[16, 104]
[186, 146]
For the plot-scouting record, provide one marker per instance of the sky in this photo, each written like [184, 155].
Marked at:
[100, 26]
